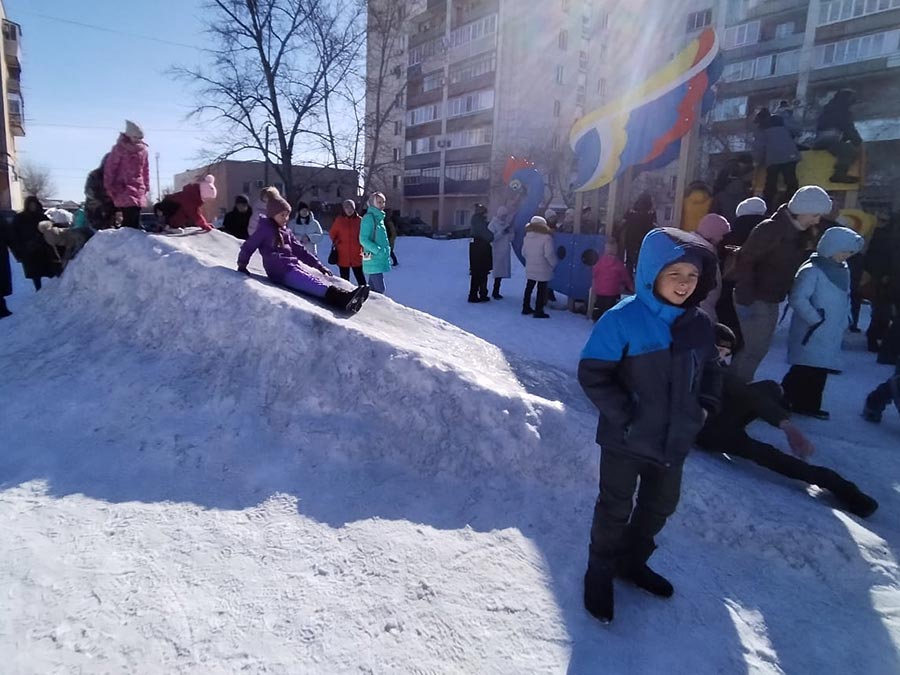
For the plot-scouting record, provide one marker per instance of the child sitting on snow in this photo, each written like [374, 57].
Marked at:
[611, 279]
[651, 368]
[286, 261]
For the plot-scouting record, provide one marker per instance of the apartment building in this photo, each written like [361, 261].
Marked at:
[11, 112]
[806, 51]
[483, 80]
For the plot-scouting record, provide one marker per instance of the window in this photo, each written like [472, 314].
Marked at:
[398, 128]
[395, 181]
[565, 5]
[580, 94]
[425, 51]
[742, 70]
[468, 172]
[396, 154]
[468, 138]
[426, 113]
[697, 20]
[784, 29]
[470, 103]
[601, 86]
[473, 31]
[461, 218]
[586, 27]
[603, 20]
[563, 39]
[745, 34]
[844, 10]
[729, 109]
[419, 146]
[424, 26]
[460, 72]
[557, 108]
[554, 142]
[246, 187]
[667, 213]
[398, 99]
[583, 61]
[559, 74]
[433, 81]
[858, 49]
[422, 176]
[10, 31]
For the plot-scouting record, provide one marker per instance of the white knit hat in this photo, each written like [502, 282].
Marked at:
[810, 200]
[755, 206]
[133, 130]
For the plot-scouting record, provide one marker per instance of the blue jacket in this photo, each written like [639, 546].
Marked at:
[820, 300]
[375, 244]
[651, 367]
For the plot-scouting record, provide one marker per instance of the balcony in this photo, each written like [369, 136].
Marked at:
[466, 187]
[11, 43]
[431, 189]
[773, 7]
[483, 44]
[16, 125]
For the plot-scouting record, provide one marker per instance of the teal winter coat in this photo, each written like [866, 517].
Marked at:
[373, 238]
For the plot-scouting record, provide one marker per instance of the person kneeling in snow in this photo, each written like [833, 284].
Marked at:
[185, 208]
[651, 368]
[285, 260]
[743, 403]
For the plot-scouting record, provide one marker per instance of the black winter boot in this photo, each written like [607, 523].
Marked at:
[496, 294]
[348, 301]
[634, 570]
[855, 501]
[598, 594]
[526, 308]
[4, 310]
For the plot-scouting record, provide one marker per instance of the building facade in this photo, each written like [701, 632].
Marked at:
[483, 80]
[11, 113]
[323, 188]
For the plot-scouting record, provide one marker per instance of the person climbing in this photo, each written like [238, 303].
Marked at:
[480, 255]
[288, 263]
[836, 132]
[344, 234]
[820, 300]
[651, 368]
[126, 174]
[501, 245]
[540, 260]
[765, 269]
[639, 220]
[776, 150]
[237, 220]
[742, 404]
[733, 184]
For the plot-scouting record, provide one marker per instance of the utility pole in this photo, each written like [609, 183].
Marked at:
[266, 169]
[158, 191]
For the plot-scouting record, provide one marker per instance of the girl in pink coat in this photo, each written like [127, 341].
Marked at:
[611, 278]
[126, 174]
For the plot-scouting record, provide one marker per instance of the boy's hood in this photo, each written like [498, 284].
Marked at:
[664, 246]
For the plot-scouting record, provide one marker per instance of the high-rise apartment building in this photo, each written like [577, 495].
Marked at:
[481, 80]
[11, 113]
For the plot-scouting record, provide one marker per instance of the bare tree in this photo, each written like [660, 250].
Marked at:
[37, 180]
[384, 84]
[274, 63]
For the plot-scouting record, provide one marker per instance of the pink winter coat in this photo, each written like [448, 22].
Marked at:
[611, 277]
[126, 173]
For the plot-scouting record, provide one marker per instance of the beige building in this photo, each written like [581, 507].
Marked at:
[323, 188]
[11, 113]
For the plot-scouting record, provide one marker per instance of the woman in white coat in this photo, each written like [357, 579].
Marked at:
[540, 260]
[820, 300]
[501, 227]
[307, 229]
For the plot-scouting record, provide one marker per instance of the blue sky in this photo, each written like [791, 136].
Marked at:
[80, 83]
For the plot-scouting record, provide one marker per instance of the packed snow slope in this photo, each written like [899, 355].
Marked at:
[201, 472]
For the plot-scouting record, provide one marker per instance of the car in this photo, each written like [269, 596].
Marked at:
[410, 226]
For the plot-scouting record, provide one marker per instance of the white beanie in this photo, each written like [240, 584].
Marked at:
[755, 206]
[810, 200]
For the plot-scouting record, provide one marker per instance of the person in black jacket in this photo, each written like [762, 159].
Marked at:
[635, 226]
[651, 368]
[238, 219]
[882, 262]
[742, 403]
[480, 256]
[5, 271]
[38, 258]
[837, 133]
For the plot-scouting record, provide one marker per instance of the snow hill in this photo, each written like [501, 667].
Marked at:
[201, 472]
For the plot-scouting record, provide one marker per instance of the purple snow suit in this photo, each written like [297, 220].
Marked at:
[284, 265]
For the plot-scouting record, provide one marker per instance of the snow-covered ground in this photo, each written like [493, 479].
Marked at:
[203, 473]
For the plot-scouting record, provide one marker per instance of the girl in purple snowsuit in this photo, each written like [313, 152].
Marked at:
[286, 261]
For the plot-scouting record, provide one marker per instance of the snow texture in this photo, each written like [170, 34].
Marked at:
[202, 472]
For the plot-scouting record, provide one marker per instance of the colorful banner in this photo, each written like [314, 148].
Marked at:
[644, 128]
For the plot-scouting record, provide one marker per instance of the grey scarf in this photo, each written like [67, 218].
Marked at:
[837, 273]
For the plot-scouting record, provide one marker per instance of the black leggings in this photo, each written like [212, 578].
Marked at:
[789, 171]
[803, 387]
[357, 272]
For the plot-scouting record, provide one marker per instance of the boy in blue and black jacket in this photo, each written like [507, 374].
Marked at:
[650, 366]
